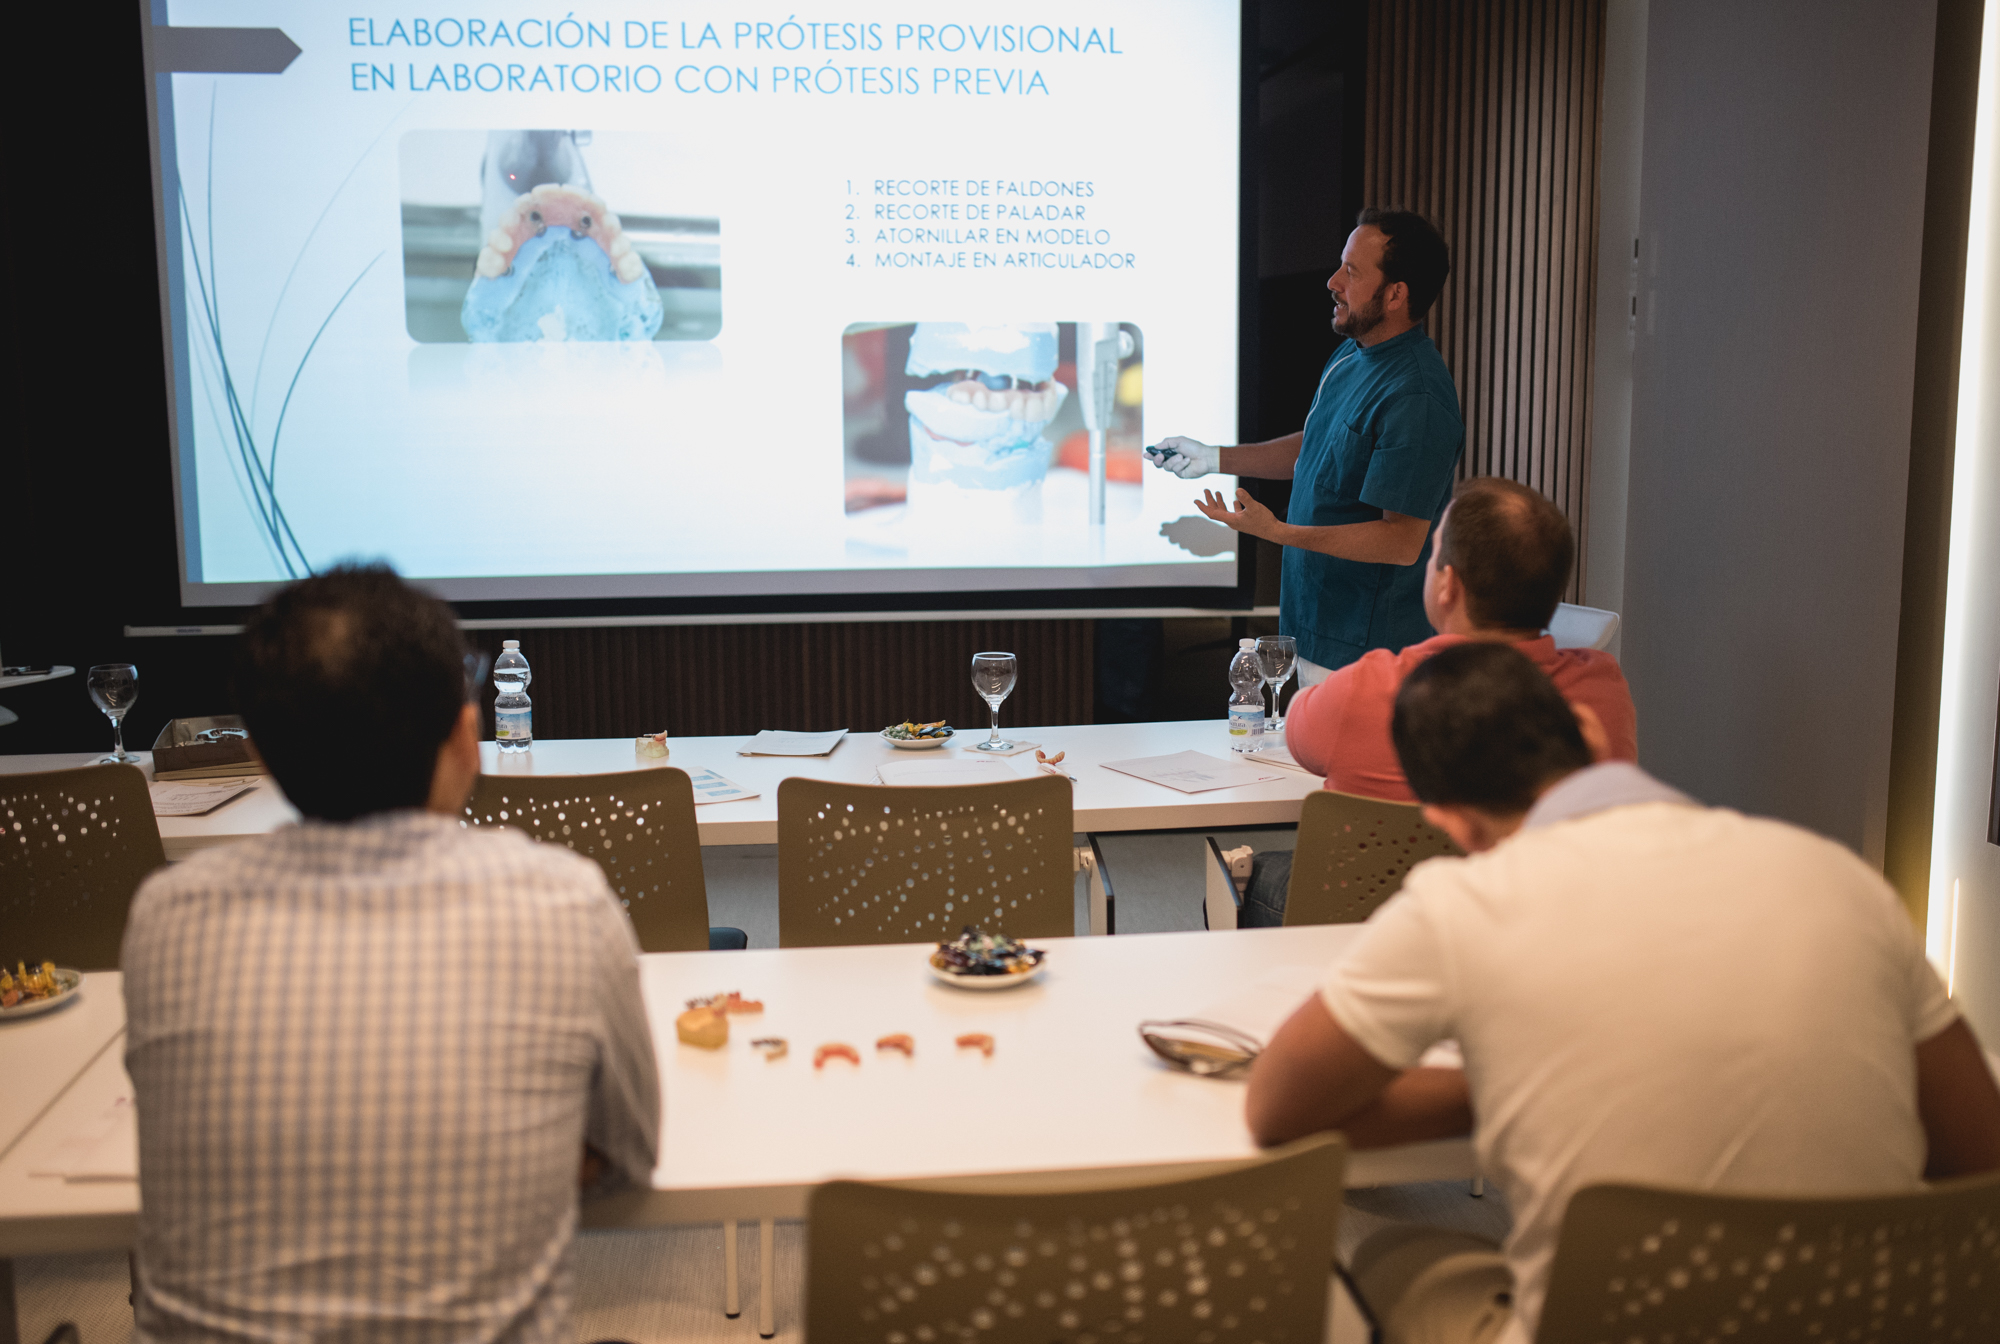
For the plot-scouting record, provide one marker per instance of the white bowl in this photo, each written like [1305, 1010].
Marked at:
[987, 982]
[72, 988]
[914, 743]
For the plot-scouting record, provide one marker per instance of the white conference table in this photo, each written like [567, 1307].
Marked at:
[1069, 1088]
[1105, 799]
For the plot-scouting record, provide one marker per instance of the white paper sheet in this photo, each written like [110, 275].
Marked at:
[1194, 771]
[710, 787]
[776, 742]
[196, 798]
[952, 770]
[106, 1148]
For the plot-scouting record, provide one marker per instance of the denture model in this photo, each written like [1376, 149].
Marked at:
[558, 267]
[979, 426]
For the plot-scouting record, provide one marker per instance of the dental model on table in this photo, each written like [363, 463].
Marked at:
[554, 264]
[977, 450]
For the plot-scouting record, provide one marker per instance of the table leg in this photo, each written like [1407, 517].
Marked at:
[767, 1270]
[732, 1302]
[1103, 900]
[10, 1324]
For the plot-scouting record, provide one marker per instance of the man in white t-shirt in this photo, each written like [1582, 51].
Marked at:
[1645, 990]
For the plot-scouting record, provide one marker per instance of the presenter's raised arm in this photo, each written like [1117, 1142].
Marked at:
[1272, 460]
[1189, 458]
[1392, 539]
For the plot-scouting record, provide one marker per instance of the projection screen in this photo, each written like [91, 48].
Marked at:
[697, 300]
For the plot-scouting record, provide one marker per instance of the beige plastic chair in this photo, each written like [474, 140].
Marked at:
[638, 825]
[1353, 854]
[1242, 1253]
[871, 863]
[1646, 1266]
[74, 846]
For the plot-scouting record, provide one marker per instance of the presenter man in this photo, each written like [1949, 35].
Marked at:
[1371, 471]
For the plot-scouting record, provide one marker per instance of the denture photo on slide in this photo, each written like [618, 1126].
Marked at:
[963, 420]
[553, 235]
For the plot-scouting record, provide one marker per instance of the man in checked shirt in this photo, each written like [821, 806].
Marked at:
[376, 1053]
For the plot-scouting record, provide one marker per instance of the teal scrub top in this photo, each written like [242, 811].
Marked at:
[1383, 434]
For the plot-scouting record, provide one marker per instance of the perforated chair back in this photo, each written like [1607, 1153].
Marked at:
[638, 825]
[74, 846]
[1353, 854]
[1646, 1266]
[872, 863]
[1238, 1254]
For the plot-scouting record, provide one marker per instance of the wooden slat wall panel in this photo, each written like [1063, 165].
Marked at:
[715, 679]
[1484, 115]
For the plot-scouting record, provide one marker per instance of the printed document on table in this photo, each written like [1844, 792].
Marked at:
[103, 1148]
[967, 770]
[197, 798]
[1194, 771]
[710, 787]
[775, 742]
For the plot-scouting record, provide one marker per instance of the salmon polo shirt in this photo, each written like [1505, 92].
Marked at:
[1340, 728]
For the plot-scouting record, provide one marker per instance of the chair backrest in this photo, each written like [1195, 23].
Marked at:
[1637, 1265]
[1353, 854]
[74, 846]
[639, 825]
[1580, 627]
[876, 863]
[1242, 1253]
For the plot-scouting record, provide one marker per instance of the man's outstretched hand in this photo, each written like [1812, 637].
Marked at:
[1248, 515]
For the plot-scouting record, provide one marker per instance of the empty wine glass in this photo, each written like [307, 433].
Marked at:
[1276, 657]
[115, 688]
[993, 677]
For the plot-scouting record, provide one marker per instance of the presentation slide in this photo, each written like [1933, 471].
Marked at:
[699, 300]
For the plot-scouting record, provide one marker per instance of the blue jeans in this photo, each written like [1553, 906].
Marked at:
[1264, 899]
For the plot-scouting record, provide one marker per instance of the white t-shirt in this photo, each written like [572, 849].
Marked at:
[1659, 993]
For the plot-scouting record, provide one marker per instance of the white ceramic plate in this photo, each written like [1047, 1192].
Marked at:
[914, 743]
[72, 986]
[986, 982]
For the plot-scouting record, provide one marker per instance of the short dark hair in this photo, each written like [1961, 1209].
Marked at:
[349, 682]
[1413, 252]
[1478, 725]
[1512, 549]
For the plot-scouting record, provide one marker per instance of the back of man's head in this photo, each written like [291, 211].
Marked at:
[1478, 725]
[350, 681]
[1413, 252]
[1512, 551]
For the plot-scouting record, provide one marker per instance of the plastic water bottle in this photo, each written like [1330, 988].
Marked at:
[513, 714]
[1246, 702]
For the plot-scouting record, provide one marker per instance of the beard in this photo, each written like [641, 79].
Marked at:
[1359, 321]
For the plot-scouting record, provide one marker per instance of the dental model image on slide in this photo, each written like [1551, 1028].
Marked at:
[509, 229]
[978, 428]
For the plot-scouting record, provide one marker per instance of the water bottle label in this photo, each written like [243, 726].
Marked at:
[513, 725]
[1246, 727]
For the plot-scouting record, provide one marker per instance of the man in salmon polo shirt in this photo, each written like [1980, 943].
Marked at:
[1499, 568]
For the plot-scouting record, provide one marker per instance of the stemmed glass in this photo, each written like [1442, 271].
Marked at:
[1276, 656]
[115, 688]
[993, 677]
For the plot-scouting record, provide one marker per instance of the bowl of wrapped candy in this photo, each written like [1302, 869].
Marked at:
[26, 992]
[917, 736]
[976, 960]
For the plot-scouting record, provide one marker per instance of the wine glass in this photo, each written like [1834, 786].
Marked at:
[115, 688]
[1276, 656]
[993, 677]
